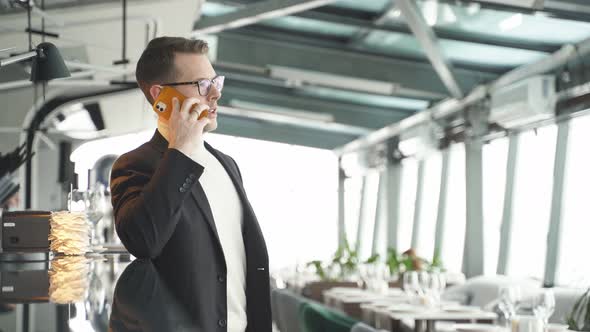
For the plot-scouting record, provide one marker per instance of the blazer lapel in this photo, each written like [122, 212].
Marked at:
[159, 143]
[201, 198]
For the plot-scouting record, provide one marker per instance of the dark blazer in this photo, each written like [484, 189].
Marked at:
[143, 303]
[162, 213]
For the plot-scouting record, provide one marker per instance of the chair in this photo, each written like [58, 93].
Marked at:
[480, 291]
[317, 318]
[274, 305]
[288, 304]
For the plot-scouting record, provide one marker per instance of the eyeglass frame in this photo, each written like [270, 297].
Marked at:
[197, 84]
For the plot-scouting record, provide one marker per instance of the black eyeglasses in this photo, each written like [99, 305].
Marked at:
[204, 85]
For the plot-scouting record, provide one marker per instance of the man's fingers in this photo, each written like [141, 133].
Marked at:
[201, 123]
[175, 106]
[188, 104]
[198, 110]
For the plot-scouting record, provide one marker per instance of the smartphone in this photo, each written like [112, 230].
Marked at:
[163, 104]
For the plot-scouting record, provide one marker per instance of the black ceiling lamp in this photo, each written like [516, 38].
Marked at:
[47, 63]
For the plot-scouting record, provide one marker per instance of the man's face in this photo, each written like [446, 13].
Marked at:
[192, 67]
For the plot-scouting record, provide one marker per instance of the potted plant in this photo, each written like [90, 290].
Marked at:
[410, 261]
[579, 318]
[343, 264]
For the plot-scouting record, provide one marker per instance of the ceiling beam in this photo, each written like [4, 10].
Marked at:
[397, 26]
[378, 22]
[296, 92]
[271, 49]
[254, 13]
[291, 118]
[574, 10]
[282, 133]
[429, 42]
[352, 115]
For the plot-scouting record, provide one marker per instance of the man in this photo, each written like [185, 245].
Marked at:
[181, 203]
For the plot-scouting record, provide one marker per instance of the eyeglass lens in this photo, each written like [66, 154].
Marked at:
[205, 85]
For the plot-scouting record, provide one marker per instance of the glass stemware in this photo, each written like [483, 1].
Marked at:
[544, 305]
[507, 302]
[92, 202]
[411, 285]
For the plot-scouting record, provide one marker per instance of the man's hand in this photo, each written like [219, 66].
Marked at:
[185, 128]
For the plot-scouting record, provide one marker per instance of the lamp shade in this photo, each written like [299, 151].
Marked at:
[48, 64]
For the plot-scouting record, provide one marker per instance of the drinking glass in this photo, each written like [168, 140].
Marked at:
[508, 298]
[544, 305]
[411, 285]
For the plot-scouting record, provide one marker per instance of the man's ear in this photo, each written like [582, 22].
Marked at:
[155, 91]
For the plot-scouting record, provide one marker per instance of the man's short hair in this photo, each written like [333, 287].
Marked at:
[156, 64]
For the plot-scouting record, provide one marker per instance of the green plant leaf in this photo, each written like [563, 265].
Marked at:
[373, 259]
[579, 315]
[392, 261]
[319, 269]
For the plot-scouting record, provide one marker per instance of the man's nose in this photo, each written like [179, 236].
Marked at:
[214, 94]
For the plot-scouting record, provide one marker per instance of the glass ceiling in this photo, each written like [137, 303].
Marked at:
[479, 37]
[471, 20]
[458, 51]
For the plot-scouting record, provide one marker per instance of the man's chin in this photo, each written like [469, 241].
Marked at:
[210, 127]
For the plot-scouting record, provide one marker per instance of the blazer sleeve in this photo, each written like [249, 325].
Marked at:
[147, 206]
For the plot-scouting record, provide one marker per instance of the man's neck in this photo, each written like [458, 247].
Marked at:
[165, 132]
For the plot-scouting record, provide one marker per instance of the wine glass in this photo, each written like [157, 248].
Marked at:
[544, 305]
[77, 200]
[424, 282]
[91, 202]
[95, 207]
[437, 285]
[363, 273]
[411, 285]
[381, 278]
[508, 298]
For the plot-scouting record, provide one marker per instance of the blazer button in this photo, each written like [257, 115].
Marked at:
[221, 278]
[186, 185]
[222, 322]
[182, 189]
[192, 176]
[188, 180]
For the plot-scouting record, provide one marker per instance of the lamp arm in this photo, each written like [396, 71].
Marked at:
[18, 58]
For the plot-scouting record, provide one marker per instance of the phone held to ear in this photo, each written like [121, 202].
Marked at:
[163, 104]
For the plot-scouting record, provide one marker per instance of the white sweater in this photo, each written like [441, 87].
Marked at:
[227, 213]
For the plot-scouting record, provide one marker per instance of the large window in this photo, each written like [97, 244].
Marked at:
[495, 156]
[369, 213]
[409, 179]
[573, 268]
[454, 230]
[429, 211]
[532, 202]
[293, 190]
[353, 189]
